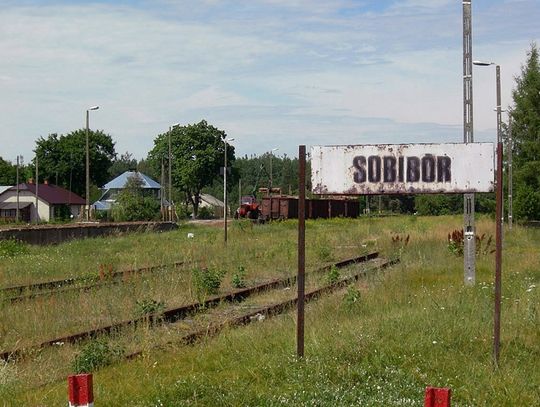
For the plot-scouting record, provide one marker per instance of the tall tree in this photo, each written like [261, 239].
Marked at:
[526, 138]
[62, 159]
[121, 164]
[7, 172]
[197, 155]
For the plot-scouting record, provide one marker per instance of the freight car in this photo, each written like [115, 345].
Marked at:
[286, 207]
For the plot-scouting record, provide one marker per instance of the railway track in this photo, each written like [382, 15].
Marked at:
[268, 310]
[174, 314]
[47, 288]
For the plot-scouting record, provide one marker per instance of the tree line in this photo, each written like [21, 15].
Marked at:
[198, 150]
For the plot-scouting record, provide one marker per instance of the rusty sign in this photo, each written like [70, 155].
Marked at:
[402, 168]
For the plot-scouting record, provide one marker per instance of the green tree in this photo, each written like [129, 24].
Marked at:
[525, 115]
[124, 163]
[134, 204]
[7, 172]
[197, 155]
[62, 159]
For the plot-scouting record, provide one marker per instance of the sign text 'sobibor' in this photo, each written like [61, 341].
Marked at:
[403, 168]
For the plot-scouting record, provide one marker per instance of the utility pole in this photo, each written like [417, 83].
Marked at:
[169, 208]
[17, 212]
[509, 152]
[469, 244]
[37, 190]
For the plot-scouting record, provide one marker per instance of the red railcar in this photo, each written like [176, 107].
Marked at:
[286, 207]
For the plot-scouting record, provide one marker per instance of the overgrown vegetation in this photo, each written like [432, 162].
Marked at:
[12, 248]
[377, 342]
[207, 281]
[96, 354]
[239, 277]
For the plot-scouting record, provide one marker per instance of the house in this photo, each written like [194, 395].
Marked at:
[53, 202]
[114, 187]
[209, 201]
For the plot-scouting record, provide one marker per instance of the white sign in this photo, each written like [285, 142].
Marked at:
[402, 168]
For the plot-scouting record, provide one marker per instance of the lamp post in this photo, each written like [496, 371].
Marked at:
[509, 158]
[498, 235]
[226, 141]
[271, 177]
[88, 161]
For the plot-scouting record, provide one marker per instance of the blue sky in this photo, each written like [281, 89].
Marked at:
[271, 73]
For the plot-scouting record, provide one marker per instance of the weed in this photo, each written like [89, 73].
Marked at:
[94, 355]
[238, 278]
[456, 241]
[207, 281]
[352, 297]
[324, 252]
[11, 248]
[148, 306]
[332, 276]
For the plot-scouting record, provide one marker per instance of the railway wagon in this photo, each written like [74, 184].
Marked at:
[286, 207]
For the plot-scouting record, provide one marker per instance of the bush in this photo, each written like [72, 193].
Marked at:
[332, 276]
[207, 281]
[148, 306]
[238, 278]
[205, 212]
[352, 297]
[11, 248]
[94, 355]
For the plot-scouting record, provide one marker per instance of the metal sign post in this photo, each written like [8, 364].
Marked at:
[469, 244]
[300, 281]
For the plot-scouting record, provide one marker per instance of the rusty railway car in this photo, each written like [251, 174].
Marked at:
[286, 207]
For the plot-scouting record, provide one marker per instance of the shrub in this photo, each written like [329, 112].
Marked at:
[207, 281]
[149, 306]
[332, 276]
[12, 248]
[238, 278]
[352, 297]
[205, 213]
[94, 355]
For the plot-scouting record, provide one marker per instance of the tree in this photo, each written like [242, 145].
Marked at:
[7, 173]
[525, 115]
[133, 204]
[62, 159]
[197, 155]
[126, 162]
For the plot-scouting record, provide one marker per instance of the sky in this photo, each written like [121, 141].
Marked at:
[270, 73]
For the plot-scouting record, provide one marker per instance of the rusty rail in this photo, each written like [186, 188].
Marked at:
[25, 292]
[269, 310]
[175, 314]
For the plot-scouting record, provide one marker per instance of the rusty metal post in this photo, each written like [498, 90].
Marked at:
[301, 250]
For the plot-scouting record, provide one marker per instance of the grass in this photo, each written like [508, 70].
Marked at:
[412, 326]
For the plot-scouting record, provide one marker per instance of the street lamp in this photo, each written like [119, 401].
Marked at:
[498, 236]
[226, 141]
[271, 179]
[88, 161]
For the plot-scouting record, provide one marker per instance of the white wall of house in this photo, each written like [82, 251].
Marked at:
[46, 211]
[26, 196]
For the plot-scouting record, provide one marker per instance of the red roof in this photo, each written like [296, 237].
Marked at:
[53, 194]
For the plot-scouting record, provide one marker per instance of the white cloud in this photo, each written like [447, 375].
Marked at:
[267, 72]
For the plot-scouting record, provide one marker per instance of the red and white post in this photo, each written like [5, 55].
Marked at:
[437, 397]
[80, 390]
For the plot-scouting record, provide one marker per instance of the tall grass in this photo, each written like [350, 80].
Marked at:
[414, 325]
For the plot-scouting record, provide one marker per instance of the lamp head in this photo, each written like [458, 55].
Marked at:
[483, 63]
